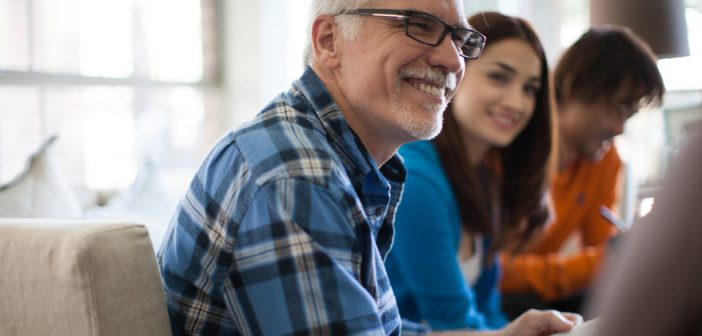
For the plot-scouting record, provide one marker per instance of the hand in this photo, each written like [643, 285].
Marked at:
[541, 322]
[532, 323]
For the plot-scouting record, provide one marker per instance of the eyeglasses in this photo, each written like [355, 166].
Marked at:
[430, 30]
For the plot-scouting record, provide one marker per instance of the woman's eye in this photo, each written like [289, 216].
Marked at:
[498, 77]
[532, 89]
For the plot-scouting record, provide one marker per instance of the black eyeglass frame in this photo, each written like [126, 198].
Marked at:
[406, 15]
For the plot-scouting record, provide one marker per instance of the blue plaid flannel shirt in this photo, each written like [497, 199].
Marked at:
[284, 229]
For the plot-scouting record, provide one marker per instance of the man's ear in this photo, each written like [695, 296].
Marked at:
[324, 41]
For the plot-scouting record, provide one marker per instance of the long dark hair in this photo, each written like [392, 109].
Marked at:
[515, 206]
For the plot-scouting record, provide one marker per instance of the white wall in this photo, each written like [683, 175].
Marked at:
[263, 45]
[544, 15]
[264, 41]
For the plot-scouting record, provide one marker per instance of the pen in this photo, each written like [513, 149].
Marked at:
[613, 218]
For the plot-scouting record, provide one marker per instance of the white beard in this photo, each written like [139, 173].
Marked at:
[421, 121]
[418, 126]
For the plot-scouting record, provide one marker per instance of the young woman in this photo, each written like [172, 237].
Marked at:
[478, 187]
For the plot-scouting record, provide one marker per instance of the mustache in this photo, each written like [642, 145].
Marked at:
[434, 75]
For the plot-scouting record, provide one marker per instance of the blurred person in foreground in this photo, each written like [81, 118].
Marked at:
[479, 185]
[603, 79]
[656, 286]
[287, 221]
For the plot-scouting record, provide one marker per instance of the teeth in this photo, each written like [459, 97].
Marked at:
[504, 120]
[440, 84]
[430, 89]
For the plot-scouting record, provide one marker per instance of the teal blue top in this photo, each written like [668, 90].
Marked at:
[423, 266]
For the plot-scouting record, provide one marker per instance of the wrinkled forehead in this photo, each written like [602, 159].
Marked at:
[449, 11]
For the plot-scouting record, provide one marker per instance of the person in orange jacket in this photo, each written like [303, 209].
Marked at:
[600, 81]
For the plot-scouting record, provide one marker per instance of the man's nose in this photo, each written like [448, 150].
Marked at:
[618, 127]
[618, 119]
[615, 124]
[447, 56]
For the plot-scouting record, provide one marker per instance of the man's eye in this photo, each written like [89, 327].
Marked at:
[418, 25]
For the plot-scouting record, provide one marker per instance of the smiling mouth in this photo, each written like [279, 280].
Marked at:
[430, 81]
[427, 88]
[504, 121]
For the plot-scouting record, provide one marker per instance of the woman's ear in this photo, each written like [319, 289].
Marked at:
[325, 37]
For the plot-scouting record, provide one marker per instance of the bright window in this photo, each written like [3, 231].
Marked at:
[122, 82]
[676, 71]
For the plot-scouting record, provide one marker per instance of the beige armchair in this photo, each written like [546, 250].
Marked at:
[78, 277]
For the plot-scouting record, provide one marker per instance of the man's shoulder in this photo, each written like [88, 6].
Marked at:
[612, 157]
[610, 164]
[282, 142]
[595, 174]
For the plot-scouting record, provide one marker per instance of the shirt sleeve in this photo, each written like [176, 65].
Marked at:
[490, 304]
[600, 229]
[294, 268]
[425, 256]
[410, 328]
[552, 275]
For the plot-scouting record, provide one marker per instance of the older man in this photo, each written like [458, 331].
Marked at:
[285, 225]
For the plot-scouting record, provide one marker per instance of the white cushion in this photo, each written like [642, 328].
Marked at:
[60, 277]
[40, 190]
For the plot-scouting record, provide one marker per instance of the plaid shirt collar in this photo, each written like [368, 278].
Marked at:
[362, 170]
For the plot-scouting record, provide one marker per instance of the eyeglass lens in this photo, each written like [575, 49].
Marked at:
[429, 30]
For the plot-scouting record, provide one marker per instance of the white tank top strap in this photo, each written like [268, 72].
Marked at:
[472, 267]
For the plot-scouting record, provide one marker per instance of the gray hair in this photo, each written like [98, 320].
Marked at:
[350, 24]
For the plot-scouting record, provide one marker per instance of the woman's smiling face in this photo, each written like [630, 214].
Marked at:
[498, 94]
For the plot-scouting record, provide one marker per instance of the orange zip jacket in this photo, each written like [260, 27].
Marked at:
[577, 194]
